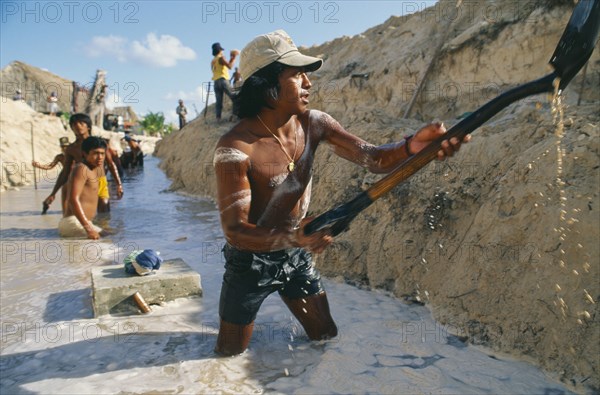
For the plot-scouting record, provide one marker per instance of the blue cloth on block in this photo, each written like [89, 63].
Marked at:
[142, 262]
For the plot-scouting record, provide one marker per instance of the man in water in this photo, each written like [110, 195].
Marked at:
[81, 124]
[132, 155]
[264, 175]
[82, 191]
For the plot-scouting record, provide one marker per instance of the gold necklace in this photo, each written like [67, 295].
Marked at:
[290, 165]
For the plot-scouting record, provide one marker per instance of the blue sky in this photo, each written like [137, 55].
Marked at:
[156, 52]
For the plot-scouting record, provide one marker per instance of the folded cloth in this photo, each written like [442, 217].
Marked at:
[71, 227]
[142, 262]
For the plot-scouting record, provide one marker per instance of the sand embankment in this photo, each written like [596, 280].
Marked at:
[17, 120]
[502, 241]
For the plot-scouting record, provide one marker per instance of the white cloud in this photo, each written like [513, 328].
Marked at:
[163, 51]
[157, 51]
[108, 45]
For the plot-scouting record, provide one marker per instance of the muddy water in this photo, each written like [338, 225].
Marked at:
[51, 343]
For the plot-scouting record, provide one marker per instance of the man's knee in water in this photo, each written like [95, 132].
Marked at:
[103, 205]
[228, 350]
[233, 339]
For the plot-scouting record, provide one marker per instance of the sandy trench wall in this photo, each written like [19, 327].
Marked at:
[502, 241]
[17, 122]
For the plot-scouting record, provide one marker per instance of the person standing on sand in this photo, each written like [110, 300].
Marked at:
[236, 80]
[182, 113]
[18, 96]
[52, 103]
[264, 173]
[220, 69]
[81, 124]
[82, 191]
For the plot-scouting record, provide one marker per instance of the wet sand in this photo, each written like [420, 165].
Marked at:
[50, 342]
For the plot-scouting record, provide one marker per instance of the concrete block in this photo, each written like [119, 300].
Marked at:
[112, 288]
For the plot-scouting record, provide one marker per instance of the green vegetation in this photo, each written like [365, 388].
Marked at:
[168, 129]
[154, 123]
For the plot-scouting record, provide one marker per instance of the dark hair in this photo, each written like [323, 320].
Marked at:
[80, 117]
[257, 89]
[216, 48]
[91, 143]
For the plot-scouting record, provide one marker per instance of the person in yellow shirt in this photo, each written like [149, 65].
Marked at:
[220, 69]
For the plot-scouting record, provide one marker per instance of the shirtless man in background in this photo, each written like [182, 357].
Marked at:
[81, 125]
[82, 191]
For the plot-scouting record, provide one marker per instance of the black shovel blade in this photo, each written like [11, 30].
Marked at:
[578, 41]
[337, 220]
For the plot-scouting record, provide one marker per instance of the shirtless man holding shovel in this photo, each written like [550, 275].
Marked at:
[264, 174]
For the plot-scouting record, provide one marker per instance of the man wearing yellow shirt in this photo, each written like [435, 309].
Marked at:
[220, 69]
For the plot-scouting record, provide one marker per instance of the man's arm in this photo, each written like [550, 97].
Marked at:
[115, 174]
[231, 60]
[63, 177]
[57, 159]
[78, 180]
[383, 158]
[234, 200]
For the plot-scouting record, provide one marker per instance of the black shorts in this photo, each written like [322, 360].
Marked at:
[250, 277]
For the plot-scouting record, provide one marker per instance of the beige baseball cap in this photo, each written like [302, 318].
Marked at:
[275, 46]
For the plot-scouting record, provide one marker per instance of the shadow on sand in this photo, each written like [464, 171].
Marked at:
[98, 355]
[22, 234]
[69, 306]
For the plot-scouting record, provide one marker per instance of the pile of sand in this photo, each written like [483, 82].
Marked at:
[36, 85]
[19, 124]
